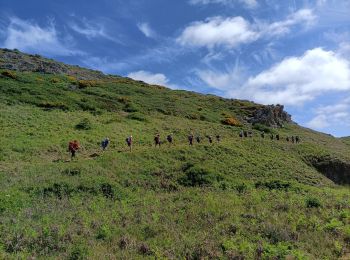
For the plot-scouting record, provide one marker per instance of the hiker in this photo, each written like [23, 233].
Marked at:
[241, 134]
[169, 138]
[105, 143]
[218, 138]
[262, 135]
[210, 139]
[271, 136]
[245, 133]
[73, 147]
[277, 137]
[293, 139]
[190, 139]
[297, 139]
[157, 140]
[129, 142]
[198, 139]
[287, 138]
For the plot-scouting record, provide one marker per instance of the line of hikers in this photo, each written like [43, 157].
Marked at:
[293, 139]
[74, 146]
[191, 138]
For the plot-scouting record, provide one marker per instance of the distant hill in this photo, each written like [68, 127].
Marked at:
[236, 198]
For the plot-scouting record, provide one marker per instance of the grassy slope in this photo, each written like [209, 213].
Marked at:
[254, 192]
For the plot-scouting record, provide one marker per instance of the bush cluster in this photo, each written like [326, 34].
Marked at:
[9, 74]
[232, 121]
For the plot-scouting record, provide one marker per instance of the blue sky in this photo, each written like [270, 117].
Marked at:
[292, 52]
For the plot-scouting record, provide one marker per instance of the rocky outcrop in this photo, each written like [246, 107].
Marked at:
[272, 115]
[334, 169]
[18, 61]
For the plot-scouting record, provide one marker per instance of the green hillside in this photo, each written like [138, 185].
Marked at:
[233, 199]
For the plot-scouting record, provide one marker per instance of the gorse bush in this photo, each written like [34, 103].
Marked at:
[232, 121]
[9, 74]
[88, 83]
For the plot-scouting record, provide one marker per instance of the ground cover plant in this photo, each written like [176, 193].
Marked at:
[234, 199]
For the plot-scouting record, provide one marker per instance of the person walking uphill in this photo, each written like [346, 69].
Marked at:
[190, 139]
[170, 139]
[157, 140]
[73, 147]
[105, 143]
[129, 142]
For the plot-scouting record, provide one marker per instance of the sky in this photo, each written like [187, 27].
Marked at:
[291, 52]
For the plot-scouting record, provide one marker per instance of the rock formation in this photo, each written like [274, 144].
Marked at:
[272, 115]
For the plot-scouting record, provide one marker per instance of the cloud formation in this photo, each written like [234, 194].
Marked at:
[147, 30]
[150, 78]
[296, 80]
[30, 37]
[327, 116]
[234, 31]
[293, 81]
[216, 31]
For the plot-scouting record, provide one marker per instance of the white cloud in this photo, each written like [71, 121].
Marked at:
[92, 30]
[218, 31]
[306, 17]
[234, 31]
[30, 37]
[246, 3]
[150, 78]
[293, 81]
[147, 30]
[326, 116]
[296, 80]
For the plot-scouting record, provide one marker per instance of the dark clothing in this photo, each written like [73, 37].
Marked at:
[157, 140]
[245, 133]
[241, 134]
[104, 144]
[277, 137]
[190, 139]
[198, 139]
[170, 139]
[218, 138]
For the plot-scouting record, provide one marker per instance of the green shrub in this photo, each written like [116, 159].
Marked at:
[334, 225]
[262, 128]
[137, 117]
[78, 252]
[273, 185]
[131, 107]
[241, 188]
[53, 105]
[85, 124]
[313, 203]
[104, 233]
[197, 176]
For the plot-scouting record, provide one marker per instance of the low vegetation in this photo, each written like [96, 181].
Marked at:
[234, 199]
